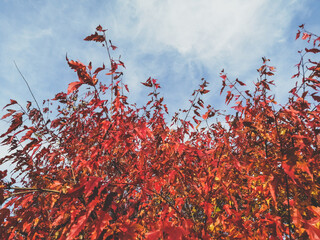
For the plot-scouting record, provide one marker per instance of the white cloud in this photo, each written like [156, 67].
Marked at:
[226, 32]
[181, 35]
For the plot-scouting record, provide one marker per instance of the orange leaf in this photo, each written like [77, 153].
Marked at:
[73, 86]
[289, 171]
[305, 36]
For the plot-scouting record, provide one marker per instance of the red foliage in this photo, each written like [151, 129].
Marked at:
[103, 169]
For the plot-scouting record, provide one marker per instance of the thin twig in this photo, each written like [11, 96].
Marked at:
[192, 105]
[27, 86]
[110, 59]
[28, 190]
[35, 189]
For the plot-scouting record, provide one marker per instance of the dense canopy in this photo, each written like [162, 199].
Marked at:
[103, 168]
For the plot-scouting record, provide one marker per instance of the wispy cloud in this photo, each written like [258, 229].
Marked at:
[187, 40]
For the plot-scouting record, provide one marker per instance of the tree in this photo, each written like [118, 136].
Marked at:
[106, 169]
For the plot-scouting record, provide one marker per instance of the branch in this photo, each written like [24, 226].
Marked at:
[28, 190]
[27, 86]
[35, 189]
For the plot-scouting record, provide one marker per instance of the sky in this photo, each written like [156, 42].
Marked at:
[177, 42]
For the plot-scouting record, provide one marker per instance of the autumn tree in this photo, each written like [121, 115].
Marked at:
[106, 169]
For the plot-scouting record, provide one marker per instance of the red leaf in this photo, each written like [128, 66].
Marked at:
[104, 219]
[28, 105]
[174, 233]
[224, 77]
[16, 122]
[241, 83]
[155, 235]
[229, 97]
[272, 189]
[197, 113]
[298, 34]
[313, 232]
[148, 83]
[316, 98]
[75, 65]
[100, 29]
[204, 91]
[10, 112]
[99, 69]
[315, 41]
[205, 116]
[313, 50]
[126, 87]
[81, 70]
[27, 135]
[76, 228]
[11, 103]
[289, 170]
[57, 220]
[95, 37]
[122, 64]
[226, 207]
[91, 184]
[60, 96]
[140, 133]
[200, 102]
[154, 81]
[26, 200]
[76, 192]
[223, 86]
[304, 167]
[296, 75]
[73, 86]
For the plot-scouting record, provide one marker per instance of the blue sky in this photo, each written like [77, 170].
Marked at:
[177, 42]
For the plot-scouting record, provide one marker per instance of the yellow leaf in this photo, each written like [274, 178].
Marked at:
[35, 222]
[217, 209]
[211, 227]
[263, 207]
